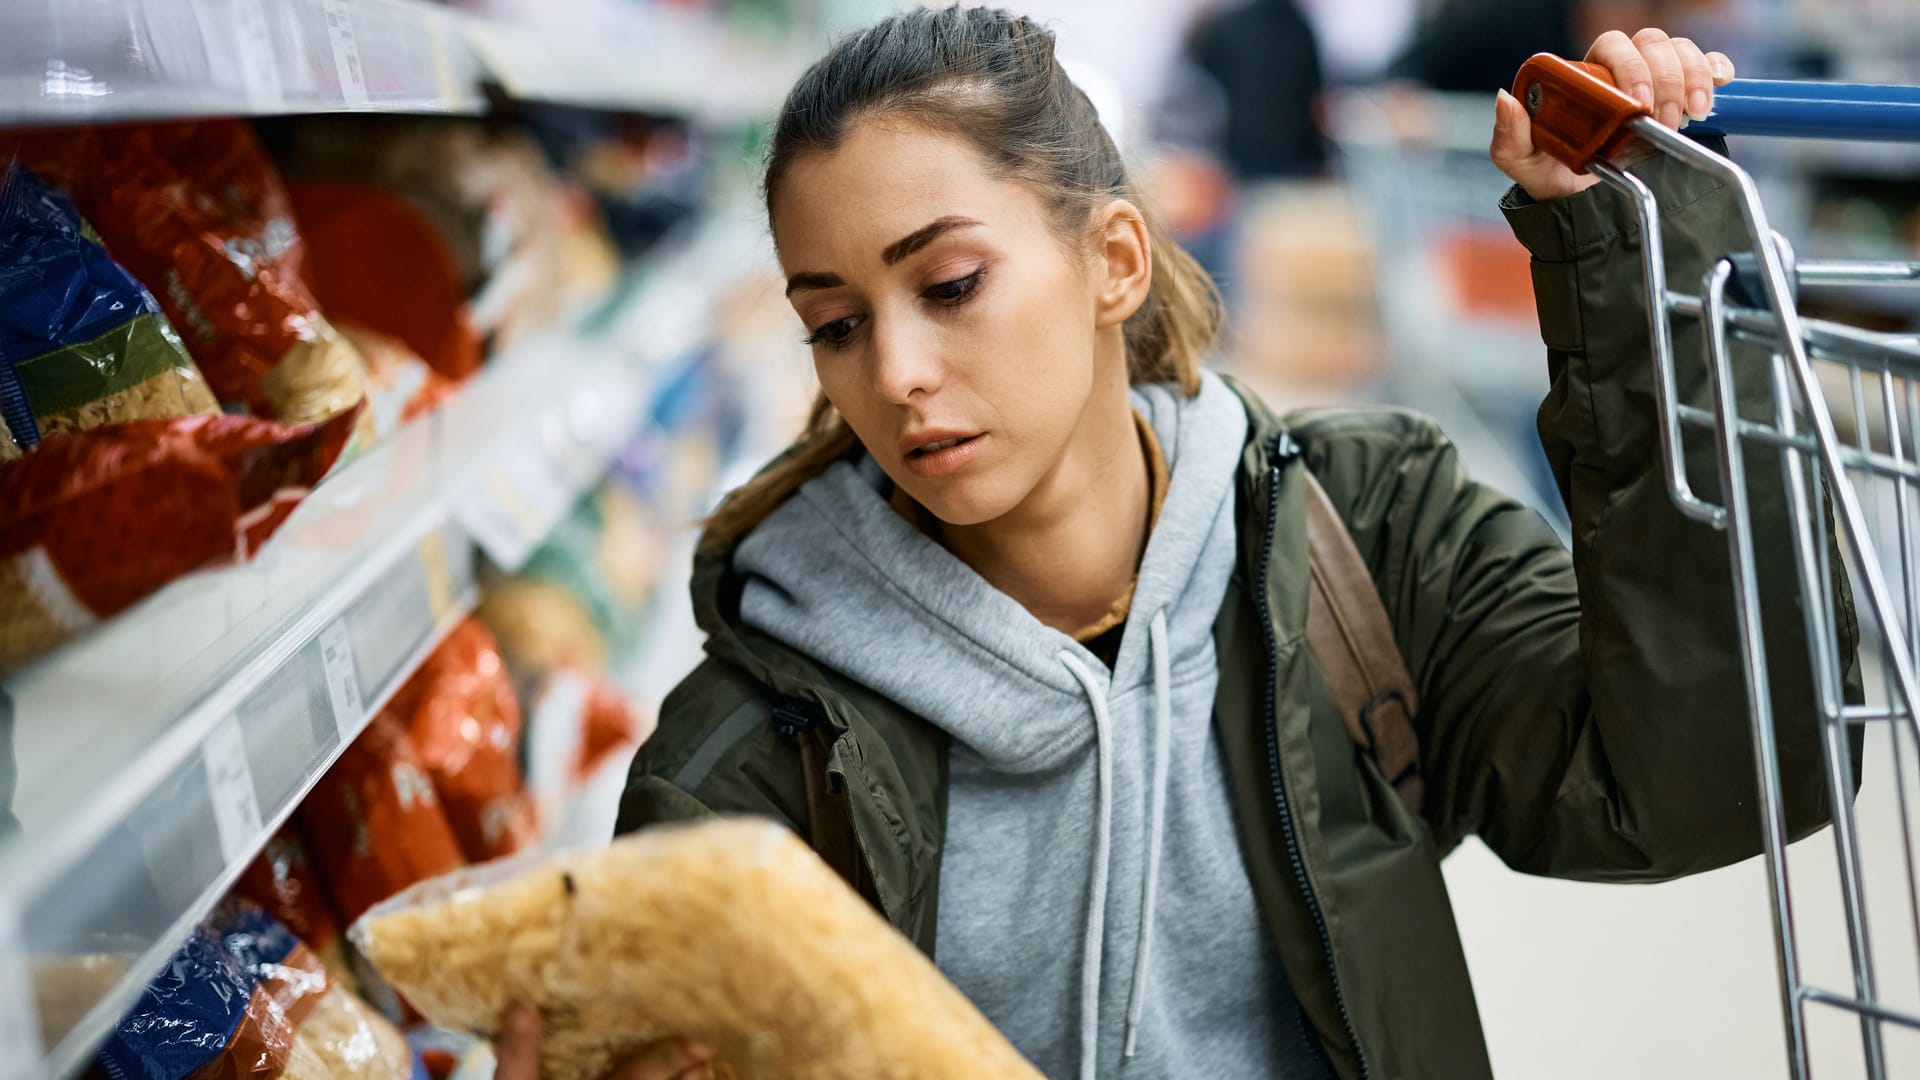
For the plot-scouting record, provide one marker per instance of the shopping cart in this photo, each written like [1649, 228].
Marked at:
[1845, 424]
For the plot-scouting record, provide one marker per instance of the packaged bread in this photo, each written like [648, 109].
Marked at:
[198, 213]
[82, 343]
[731, 932]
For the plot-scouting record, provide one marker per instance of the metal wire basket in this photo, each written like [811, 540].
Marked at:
[1844, 425]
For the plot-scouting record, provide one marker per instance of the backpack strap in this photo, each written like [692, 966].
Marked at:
[1352, 638]
[829, 817]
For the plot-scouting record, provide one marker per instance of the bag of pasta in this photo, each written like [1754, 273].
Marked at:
[731, 932]
[243, 999]
[94, 520]
[282, 881]
[373, 824]
[464, 722]
[81, 342]
[197, 212]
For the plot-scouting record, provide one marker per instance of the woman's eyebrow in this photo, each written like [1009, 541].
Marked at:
[801, 281]
[892, 254]
[923, 236]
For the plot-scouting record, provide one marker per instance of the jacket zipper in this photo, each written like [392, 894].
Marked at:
[1283, 451]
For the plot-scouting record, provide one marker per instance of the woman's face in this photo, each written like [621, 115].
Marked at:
[949, 324]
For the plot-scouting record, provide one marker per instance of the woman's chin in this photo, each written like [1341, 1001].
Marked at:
[963, 503]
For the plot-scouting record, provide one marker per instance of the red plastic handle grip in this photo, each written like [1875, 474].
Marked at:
[1579, 116]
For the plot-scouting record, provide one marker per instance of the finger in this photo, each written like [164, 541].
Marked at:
[1722, 66]
[517, 1051]
[1669, 81]
[668, 1059]
[1512, 131]
[1699, 77]
[1617, 53]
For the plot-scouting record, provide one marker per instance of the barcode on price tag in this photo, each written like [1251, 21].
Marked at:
[236, 805]
[19, 1026]
[346, 53]
[343, 679]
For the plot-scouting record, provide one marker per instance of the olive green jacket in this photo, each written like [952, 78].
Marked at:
[1581, 713]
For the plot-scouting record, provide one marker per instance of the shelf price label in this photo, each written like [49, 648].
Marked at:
[19, 1024]
[346, 53]
[515, 506]
[236, 805]
[343, 679]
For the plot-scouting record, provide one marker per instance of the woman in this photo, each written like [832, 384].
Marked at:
[1023, 608]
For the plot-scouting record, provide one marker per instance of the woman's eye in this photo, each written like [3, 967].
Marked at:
[952, 292]
[834, 335]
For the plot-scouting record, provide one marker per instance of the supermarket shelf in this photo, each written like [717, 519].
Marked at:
[68, 61]
[660, 61]
[86, 60]
[156, 754]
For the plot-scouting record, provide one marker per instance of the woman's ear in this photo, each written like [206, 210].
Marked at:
[1123, 261]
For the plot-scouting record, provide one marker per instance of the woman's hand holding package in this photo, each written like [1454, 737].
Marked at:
[518, 1054]
[1670, 75]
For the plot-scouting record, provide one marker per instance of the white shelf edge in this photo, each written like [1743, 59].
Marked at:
[81, 61]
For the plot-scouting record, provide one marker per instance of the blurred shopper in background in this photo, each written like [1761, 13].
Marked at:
[1266, 61]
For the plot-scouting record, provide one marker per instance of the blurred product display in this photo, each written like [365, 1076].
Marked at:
[286, 400]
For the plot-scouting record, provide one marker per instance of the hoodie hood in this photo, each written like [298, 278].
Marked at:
[838, 575]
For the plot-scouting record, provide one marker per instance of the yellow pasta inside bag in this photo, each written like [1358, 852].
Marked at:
[728, 931]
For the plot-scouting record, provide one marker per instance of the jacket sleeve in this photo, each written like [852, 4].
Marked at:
[714, 752]
[1587, 715]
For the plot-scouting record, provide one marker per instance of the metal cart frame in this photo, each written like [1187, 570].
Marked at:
[1751, 297]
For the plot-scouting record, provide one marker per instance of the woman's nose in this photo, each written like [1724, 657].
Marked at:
[905, 361]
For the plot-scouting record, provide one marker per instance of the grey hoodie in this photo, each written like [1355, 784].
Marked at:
[1086, 808]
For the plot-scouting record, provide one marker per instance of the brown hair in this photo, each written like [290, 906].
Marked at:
[990, 77]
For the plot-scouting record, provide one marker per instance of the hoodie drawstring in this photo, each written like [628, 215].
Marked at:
[1102, 860]
[1157, 823]
[1103, 846]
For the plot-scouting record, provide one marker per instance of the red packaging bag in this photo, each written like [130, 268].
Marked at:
[93, 521]
[465, 722]
[197, 211]
[373, 824]
[281, 879]
[607, 724]
[366, 246]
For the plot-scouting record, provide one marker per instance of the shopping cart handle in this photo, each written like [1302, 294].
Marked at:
[1814, 110]
[1579, 116]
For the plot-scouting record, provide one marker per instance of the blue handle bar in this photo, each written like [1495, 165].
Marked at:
[1814, 110]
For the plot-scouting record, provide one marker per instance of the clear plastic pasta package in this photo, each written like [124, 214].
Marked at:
[198, 213]
[82, 344]
[243, 999]
[730, 931]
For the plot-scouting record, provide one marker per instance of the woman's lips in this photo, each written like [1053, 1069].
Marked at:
[944, 456]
